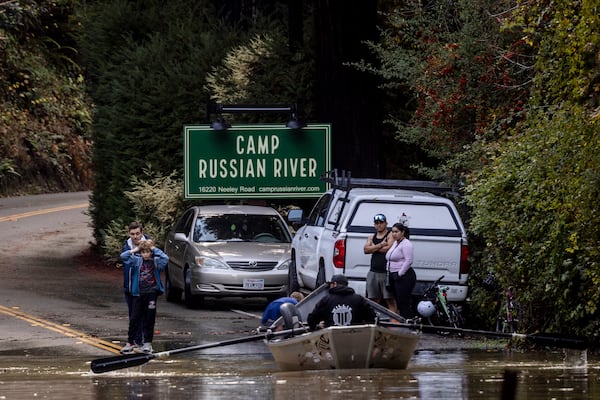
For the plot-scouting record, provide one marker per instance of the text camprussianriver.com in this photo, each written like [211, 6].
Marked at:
[259, 189]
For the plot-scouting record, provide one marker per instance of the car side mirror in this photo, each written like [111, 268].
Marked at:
[295, 216]
[180, 236]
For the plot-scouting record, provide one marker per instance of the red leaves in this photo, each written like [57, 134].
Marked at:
[446, 70]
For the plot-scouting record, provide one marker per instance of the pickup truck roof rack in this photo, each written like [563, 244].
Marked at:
[346, 182]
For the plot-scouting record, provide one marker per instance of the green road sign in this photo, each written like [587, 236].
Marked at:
[255, 161]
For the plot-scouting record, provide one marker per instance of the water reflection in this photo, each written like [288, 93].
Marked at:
[431, 375]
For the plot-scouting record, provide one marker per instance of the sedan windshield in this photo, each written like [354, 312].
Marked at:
[240, 227]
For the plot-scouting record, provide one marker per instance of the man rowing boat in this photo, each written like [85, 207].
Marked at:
[341, 306]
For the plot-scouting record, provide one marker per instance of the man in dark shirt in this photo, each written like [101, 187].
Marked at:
[377, 245]
[341, 306]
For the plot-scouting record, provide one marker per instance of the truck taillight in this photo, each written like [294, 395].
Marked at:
[339, 253]
[465, 264]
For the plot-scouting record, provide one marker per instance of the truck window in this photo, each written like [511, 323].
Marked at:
[335, 210]
[420, 216]
[319, 211]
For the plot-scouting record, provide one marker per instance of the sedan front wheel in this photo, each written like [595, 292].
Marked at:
[190, 300]
[173, 294]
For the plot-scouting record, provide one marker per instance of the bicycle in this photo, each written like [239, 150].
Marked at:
[510, 312]
[435, 307]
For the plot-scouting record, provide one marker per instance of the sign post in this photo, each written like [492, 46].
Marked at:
[256, 161]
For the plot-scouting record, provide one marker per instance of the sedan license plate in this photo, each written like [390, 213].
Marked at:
[254, 284]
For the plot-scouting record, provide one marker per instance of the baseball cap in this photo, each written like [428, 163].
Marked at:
[379, 218]
[339, 279]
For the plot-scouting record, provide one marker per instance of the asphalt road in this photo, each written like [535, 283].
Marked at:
[54, 300]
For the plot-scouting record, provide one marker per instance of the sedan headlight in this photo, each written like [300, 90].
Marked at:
[285, 265]
[207, 262]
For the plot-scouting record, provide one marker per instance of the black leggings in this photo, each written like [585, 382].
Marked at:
[403, 287]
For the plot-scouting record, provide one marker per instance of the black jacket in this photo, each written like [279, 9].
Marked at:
[341, 307]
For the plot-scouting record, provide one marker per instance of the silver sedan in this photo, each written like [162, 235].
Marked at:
[227, 250]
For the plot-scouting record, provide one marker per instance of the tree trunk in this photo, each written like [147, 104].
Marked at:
[346, 98]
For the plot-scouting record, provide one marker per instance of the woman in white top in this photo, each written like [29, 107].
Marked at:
[402, 275]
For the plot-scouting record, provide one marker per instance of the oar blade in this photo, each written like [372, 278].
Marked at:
[108, 364]
[540, 339]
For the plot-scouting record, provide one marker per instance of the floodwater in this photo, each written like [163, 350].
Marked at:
[467, 374]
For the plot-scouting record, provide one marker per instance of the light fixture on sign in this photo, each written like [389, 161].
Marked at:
[294, 123]
[219, 109]
[220, 124]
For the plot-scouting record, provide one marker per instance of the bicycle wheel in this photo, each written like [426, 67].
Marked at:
[437, 318]
[455, 319]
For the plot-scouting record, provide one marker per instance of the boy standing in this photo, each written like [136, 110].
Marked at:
[136, 234]
[144, 286]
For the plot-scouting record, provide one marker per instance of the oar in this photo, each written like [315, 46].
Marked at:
[101, 365]
[542, 339]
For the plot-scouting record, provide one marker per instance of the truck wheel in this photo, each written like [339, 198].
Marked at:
[320, 275]
[293, 285]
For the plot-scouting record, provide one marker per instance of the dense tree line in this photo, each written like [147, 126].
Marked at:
[505, 97]
[498, 98]
[152, 67]
[45, 121]
[543, 236]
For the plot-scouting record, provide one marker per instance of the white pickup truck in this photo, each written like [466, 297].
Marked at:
[331, 239]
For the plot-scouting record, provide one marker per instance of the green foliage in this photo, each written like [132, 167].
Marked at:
[535, 206]
[147, 66]
[566, 35]
[472, 67]
[156, 201]
[465, 77]
[44, 112]
[6, 168]
[262, 71]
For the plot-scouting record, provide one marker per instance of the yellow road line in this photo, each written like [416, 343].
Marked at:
[15, 217]
[62, 329]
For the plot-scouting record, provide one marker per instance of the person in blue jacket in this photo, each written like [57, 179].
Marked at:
[272, 313]
[136, 234]
[145, 286]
